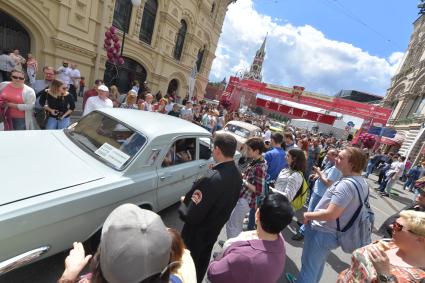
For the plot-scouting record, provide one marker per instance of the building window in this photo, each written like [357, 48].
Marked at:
[180, 40]
[148, 21]
[122, 13]
[421, 106]
[212, 8]
[414, 106]
[200, 58]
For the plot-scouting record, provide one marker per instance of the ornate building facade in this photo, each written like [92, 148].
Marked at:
[164, 39]
[406, 96]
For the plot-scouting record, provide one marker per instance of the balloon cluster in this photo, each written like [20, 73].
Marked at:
[225, 102]
[368, 140]
[113, 46]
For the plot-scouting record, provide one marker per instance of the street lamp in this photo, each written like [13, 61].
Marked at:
[136, 3]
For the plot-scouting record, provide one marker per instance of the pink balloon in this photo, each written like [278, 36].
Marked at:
[115, 38]
[105, 46]
[107, 42]
[121, 60]
[110, 49]
[108, 34]
[112, 29]
[116, 55]
[117, 45]
[110, 55]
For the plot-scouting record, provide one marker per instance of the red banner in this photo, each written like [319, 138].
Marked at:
[296, 112]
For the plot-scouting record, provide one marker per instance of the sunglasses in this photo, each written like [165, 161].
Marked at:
[18, 78]
[398, 227]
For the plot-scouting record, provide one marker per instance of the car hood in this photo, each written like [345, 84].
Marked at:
[33, 163]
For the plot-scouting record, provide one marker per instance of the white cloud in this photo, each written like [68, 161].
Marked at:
[298, 55]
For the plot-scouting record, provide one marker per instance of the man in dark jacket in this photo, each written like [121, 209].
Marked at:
[419, 205]
[208, 205]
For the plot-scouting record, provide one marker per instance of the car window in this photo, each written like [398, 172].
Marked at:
[181, 151]
[242, 132]
[108, 139]
[205, 148]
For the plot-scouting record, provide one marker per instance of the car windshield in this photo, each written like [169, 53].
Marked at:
[112, 142]
[237, 130]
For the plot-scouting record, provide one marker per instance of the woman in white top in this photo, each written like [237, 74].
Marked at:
[290, 179]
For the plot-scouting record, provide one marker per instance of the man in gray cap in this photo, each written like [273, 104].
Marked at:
[135, 245]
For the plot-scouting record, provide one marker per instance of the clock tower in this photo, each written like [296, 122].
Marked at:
[254, 72]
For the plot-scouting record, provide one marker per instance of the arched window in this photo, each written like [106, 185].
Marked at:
[123, 75]
[200, 58]
[180, 40]
[122, 13]
[148, 21]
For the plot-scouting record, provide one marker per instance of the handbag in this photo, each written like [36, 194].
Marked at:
[358, 231]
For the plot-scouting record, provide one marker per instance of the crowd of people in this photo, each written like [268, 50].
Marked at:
[254, 200]
[264, 193]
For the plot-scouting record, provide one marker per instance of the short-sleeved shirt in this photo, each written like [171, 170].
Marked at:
[331, 173]
[64, 75]
[95, 102]
[343, 194]
[13, 95]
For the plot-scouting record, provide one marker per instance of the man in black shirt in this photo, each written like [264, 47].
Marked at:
[175, 111]
[419, 205]
[208, 205]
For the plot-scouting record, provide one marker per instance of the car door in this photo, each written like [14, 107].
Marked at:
[177, 172]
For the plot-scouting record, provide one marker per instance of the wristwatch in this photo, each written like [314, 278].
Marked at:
[387, 278]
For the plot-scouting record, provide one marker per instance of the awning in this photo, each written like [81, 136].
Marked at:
[389, 141]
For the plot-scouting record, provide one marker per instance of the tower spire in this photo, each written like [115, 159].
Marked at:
[263, 46]
[254, 72]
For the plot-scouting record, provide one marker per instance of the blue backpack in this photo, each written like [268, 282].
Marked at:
[358, 231]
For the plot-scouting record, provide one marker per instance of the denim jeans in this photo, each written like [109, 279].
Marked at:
[369, 168]
[317, 246]
[409, 183]
[55, 124]
[18, 124]
[251, 219]
[314, 200]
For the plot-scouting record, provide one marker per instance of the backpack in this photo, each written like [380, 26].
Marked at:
[358, 231]
[301, 195]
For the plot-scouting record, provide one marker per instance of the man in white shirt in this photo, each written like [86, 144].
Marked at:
[99, 101]
[186, 112]
[64, 73]
[169, 105]
[75, 80]
[267, 134]
[394, 173]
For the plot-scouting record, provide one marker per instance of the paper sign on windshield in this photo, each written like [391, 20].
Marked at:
[112, 155]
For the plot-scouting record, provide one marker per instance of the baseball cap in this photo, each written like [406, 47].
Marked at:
[103, 88]
[134, 245]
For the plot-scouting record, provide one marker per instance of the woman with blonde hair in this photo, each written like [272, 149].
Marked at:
[160, 106]
[58, 104]
[398, 260]
[114, 96]
[130, 101]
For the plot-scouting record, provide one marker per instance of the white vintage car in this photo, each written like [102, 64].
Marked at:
[242, 131]
[59, 186]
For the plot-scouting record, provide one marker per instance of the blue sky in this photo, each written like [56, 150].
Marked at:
[324, 45]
